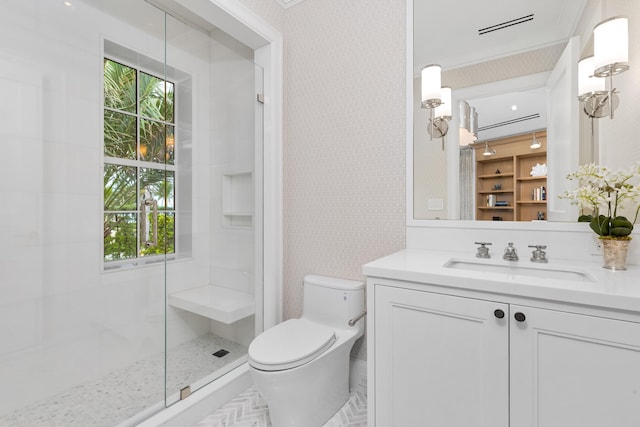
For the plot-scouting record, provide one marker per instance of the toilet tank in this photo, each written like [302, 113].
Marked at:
[332, 301]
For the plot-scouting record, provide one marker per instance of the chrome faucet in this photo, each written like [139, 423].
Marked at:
[483, 250]
[510, 253]
[539, 255]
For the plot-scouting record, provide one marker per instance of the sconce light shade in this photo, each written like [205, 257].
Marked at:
[468, 117]
[444, 109]
[588, 84]
[611, 46]
[430, 82]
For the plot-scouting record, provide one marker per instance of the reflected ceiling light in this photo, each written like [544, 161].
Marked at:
[468, 124]
[535, 143]
[611, 57]
[514, 107]
[488, 151]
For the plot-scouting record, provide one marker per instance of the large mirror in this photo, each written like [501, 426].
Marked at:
[516, 63]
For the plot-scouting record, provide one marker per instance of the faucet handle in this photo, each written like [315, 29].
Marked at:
[510, 253]
[483, 250]
[539, 255]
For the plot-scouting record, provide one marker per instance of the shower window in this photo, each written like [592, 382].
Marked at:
[139, 165]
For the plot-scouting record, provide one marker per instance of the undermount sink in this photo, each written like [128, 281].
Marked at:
[541, 270]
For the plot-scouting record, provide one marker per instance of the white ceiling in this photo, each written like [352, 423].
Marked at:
[497, 119]
[447, 32]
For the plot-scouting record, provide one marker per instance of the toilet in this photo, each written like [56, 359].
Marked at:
[301, 366]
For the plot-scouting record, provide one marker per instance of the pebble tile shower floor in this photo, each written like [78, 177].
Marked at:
[248, 409]
[122, 394]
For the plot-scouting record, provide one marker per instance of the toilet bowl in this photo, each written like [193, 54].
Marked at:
[301, 366]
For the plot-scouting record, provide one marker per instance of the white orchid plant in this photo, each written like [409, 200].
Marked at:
[602, 187]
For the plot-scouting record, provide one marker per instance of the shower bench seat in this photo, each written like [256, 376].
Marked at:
[215, 302]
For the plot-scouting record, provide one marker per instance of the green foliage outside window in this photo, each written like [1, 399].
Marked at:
[138, 127]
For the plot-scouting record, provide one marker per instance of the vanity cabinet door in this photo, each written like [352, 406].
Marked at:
[570, 370]
[440, 360]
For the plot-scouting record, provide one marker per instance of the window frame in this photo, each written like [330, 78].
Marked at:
[138, 260]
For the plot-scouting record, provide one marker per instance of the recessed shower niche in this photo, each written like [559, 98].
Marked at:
[237, 199]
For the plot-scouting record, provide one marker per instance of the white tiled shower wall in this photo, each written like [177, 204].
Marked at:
[232, 126]
[58, 308]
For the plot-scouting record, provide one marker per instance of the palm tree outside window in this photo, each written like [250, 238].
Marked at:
[139, 165]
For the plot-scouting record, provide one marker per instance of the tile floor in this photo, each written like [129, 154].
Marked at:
[248, 409]
[114, 398]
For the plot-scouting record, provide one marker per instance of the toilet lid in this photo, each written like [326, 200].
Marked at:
[291, 343]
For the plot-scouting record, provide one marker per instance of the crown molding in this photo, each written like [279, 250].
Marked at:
[288, 3]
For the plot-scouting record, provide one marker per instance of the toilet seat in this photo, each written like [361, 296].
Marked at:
[290, 344]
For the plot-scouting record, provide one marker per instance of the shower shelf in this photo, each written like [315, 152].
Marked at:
[237, 199]
[215, 302]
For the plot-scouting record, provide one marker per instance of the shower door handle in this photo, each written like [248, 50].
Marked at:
[152, 238]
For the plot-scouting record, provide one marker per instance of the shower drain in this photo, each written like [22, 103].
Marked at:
[221, 353]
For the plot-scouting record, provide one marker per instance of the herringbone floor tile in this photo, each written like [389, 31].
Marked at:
[248, 409]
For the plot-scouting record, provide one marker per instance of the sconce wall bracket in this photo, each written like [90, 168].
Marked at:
[597, 105]
[439, 127]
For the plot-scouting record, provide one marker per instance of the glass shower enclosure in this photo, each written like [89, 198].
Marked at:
[131, 254]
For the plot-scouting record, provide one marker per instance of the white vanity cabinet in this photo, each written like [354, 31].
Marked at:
[570, 369]
[439, 360]
[453, 357]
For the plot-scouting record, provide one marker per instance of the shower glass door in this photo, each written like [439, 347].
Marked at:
[131, 222]
[213, 283]
[82, 294]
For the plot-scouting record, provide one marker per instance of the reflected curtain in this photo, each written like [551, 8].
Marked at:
[467, 155]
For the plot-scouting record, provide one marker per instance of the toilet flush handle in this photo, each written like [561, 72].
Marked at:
[353, 321]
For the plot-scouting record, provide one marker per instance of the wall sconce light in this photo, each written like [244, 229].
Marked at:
[439, 124]
[468, 124]
[535, 143]
[591, 90]
[431, 92]
[488, 151]
[611, 57]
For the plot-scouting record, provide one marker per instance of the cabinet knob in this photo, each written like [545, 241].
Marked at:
[498, 313]
[520, 317]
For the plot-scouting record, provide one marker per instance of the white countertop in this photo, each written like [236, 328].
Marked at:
[618, 290]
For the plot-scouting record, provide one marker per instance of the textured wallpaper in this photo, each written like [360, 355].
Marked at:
[344, 137]
[344, 145]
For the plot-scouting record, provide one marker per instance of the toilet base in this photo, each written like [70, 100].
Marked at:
[308, 395]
